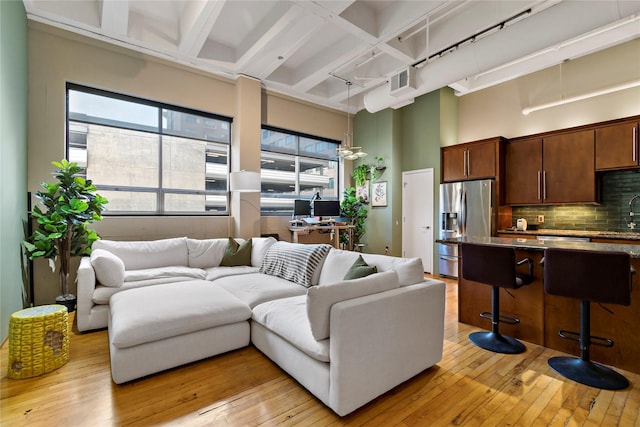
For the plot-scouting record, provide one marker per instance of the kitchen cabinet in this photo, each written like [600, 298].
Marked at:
[523, 175]
[555, 169]
[474, 160]
[617, 146]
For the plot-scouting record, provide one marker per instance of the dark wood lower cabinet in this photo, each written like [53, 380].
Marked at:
[542, 316]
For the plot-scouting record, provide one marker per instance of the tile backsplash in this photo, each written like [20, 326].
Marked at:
[616, 189]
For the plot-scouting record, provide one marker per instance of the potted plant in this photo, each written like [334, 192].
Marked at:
[359, 174]
[71, 204]
[353, 208]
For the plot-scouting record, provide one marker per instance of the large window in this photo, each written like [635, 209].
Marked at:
[147, 157]
[295, 166]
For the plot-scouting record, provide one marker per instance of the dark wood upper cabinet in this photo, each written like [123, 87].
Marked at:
[523, 175]
[474, 160]
[617, 147]
[554, 169]
[568, 162]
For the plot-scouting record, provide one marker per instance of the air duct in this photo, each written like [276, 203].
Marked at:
[543, 30]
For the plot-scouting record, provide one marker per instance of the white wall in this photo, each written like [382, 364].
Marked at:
[497, 111]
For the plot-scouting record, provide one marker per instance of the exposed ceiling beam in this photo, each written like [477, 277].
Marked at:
[195, 24]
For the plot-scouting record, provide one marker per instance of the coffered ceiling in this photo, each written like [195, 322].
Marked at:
[309, 49]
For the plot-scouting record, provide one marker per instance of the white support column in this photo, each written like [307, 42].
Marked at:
[245, 154]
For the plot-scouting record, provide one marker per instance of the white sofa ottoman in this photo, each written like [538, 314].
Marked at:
[163, 326]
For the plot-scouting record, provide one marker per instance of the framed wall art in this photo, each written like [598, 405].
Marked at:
[379, 194]
[363, 191]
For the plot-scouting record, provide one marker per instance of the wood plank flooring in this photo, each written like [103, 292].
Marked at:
[469, 387]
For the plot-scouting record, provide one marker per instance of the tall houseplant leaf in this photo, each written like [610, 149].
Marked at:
[353, 207]
[70, 204]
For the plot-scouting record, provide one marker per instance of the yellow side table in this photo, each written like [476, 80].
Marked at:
[38, 340]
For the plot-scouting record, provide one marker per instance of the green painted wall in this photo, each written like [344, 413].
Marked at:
[13, 155]
[380, 135]
[409, 139]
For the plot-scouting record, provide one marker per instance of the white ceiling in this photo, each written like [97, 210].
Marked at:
[308, 49]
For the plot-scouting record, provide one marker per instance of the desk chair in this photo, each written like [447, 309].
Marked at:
[495, 266]
[589, 276]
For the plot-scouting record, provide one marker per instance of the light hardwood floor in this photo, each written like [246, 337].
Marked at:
[469, 387]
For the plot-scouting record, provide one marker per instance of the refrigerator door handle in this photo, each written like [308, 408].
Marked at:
[463, 212]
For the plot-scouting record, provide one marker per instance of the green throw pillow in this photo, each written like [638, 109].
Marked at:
[236, 254]
[360, 269]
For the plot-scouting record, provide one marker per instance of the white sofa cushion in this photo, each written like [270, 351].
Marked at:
[339, 261]
[108, 267]
[260, 247]
[287, 317]
[153, 313]
[206, 253]
[215, 273]
[147, 254]
[321, 298]
[164, 272]
[102, 294]
[296, 262]
[256, 288]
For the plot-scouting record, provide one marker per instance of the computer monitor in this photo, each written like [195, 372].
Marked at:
[301, 208]
[326, 208]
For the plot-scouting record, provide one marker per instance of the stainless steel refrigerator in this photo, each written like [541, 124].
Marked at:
[467, 208]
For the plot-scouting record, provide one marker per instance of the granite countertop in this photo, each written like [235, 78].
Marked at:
[541, 245]
[577, 233]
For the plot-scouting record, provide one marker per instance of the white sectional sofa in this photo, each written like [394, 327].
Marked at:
[346, 341]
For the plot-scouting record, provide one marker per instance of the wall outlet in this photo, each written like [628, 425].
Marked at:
[540, 218]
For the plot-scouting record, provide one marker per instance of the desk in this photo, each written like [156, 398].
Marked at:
[333, 229]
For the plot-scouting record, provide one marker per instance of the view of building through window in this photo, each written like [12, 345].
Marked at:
[150, 158]
[147, 157]
[296, 167]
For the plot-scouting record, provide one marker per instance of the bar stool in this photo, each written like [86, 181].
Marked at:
[495, 266]
[602, 277]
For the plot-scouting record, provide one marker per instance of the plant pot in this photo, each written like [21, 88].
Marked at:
[68, 300]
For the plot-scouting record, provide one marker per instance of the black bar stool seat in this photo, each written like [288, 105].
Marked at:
[495, 266]
[602, 277]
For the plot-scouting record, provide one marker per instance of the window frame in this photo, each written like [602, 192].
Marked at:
[297, 156]
[160, 191]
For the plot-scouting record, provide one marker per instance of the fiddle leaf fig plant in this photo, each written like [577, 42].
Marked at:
[70, 204]
[353, 207]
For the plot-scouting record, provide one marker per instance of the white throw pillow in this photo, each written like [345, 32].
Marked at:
[206, 253]
[260, 246]
[321, 298]
[108, 267]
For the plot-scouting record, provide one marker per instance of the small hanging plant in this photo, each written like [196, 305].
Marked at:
[359, 174]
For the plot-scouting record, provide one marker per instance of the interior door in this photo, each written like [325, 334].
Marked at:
[417, 216]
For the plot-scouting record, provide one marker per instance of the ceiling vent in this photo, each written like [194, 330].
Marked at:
[403, 82]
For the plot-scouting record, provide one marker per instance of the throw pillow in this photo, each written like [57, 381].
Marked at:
[360, 269]
[236, 254]
[109, 268]
[295, 262]
[320, 299]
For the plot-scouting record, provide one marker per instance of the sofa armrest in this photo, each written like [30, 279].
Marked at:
[86, 287]
[381, 340]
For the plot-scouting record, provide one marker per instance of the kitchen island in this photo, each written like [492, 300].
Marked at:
[542, 315]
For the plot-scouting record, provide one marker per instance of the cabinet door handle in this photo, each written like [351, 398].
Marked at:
[539, 172]
[464, 163]
[544, 185]
[468, 163]
[634, 143]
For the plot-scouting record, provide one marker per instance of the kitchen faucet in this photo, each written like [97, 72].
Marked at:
[632, 224]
